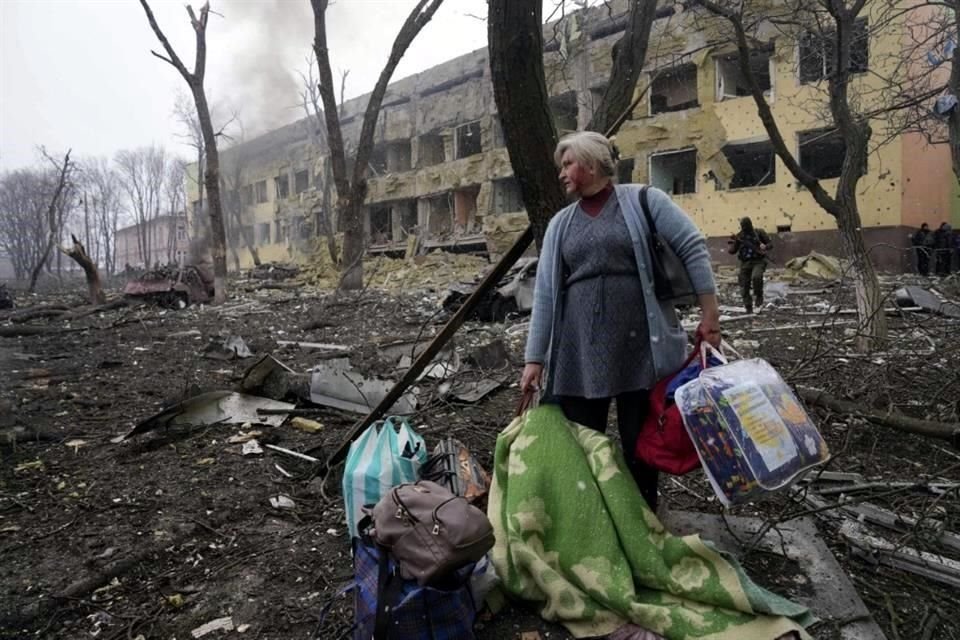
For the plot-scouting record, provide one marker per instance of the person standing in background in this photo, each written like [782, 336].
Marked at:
[750, 246]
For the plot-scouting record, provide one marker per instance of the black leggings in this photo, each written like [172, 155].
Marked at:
[632, 408]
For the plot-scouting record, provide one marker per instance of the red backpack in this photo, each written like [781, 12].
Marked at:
[663, 442]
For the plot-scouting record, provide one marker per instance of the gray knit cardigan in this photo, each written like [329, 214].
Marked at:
[668, 341]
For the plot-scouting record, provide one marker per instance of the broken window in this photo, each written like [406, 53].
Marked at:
[261, 191]
[625, 170]
[465, 208]
[596, 97]
[406, 210]
[282, 184]
[246, 194]
[378, 160]
[263, 233]
[674, 172]
[430, 150]
[440, 214]
[278, 231]
[498, 140]
[381, 225]
[822, 153]
[753, 164]
[398, 156]
[301, 181]
[731, 83]
[674, 90]
[564, 111]
[506, 196]
[468, 140]
[818, 48]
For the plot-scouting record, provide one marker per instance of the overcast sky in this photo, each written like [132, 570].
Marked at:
[78, 73]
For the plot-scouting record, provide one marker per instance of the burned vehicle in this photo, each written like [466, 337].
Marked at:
[172, 286]
[513, 295]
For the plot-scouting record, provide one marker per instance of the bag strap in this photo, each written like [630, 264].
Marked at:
[645, 206]
[527, 402]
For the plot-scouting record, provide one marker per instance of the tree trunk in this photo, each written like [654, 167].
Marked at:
[325, 220]
[52, 227]
[79, 255]
[351, 194]
[629, 55]
[872, 328]
[211, 178]
[516, 67]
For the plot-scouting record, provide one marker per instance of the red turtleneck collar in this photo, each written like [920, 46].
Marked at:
[592, 205]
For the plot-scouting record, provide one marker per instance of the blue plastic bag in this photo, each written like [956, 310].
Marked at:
[385, 455]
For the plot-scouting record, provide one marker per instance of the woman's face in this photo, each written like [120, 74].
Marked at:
[574, 175]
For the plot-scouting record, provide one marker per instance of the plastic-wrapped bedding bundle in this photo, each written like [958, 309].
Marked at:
[749, 430]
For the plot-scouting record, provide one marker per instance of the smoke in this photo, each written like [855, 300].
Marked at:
[269, 41]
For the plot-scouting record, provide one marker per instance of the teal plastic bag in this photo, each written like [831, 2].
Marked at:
[387, 454]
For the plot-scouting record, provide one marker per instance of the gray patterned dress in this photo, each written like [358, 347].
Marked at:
[603, 347]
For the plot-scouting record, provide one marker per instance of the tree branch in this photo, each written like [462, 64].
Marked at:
[173, 58]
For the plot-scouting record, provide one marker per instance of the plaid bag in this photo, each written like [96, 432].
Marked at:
[420, 613]
[408, 611]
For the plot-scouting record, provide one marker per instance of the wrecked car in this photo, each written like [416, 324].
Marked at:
[513, 294]
[172, 286]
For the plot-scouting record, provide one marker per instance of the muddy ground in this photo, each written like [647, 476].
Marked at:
[185, 522]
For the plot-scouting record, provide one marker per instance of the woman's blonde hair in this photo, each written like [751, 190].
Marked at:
[588, 148]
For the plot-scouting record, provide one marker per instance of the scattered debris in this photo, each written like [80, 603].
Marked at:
[926, 300]
[305, 424]
[490, 356]
[244, 436]
[220, 624]
[336, 384]
[215, 407]
[816, 265]
[282, 502]
[513, 294]
[275, 271]
[251, 448]
[228, 348]
[314, 346]
[470, 392]
[922, 563]
[295, 454]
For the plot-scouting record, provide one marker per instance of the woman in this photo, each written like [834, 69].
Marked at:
[597, 329]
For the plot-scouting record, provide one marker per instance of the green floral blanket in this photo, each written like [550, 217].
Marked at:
[575, 536]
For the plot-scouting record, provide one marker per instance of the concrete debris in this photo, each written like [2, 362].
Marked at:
[282, 502]
[229, 348]
[916, 297]
[251, 448]
[436, 269]
[514, 294]
[215, 407]
[313, 346]
[921, 563]
[815, 265]
[470, 392]
[335, 384]
[490, 356]
[274, 271]
[244, 436]
[220, 624]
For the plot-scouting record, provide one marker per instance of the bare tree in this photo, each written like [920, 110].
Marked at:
[834, 24]
[103, 197]
[352, 190]
[175, 184]
[212, 159]
[185, 113]
[24, 197]
[142, 175]
[316, 133]
[58, 203]
[515, 36]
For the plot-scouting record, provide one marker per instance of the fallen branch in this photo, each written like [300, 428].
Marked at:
[35, 313]
[922, 563]
[78, 254]
[943, 431]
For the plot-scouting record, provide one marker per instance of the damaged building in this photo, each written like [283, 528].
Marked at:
[440, 176]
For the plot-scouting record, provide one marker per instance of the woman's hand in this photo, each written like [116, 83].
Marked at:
[530, 380]
[709, 329]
